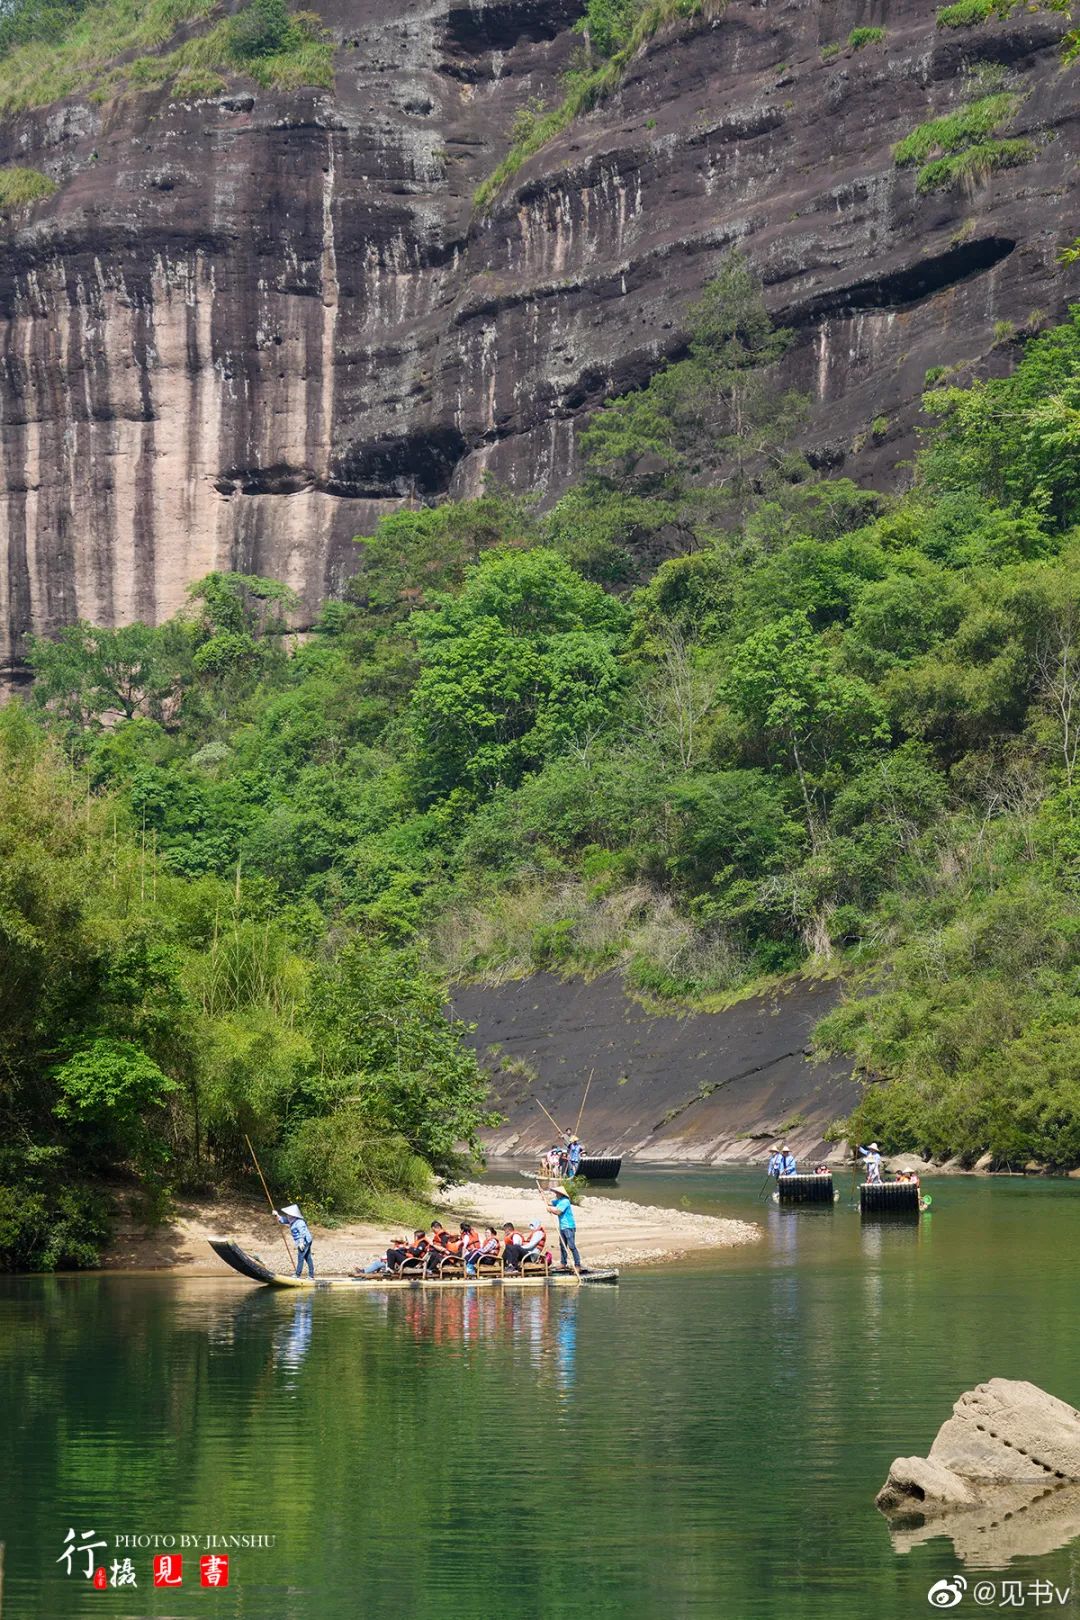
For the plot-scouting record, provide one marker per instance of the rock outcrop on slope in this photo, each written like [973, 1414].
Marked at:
[695, 1088]
[244, 326]
[1002, 1477]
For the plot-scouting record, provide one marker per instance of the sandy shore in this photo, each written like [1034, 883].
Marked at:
[610, 1232]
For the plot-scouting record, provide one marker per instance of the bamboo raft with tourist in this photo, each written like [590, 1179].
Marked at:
[903, 1196]
[568, 1159]
[534, 1275]
[445, 1259]
[877, 1197]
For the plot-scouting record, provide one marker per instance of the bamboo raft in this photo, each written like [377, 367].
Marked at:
[538, 1276]
[590, 1169]
[805, 1190]
[885, 1198]
[597, 1168]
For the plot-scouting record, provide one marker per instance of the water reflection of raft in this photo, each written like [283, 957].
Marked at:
[892, 1198]
[252, 1268]
[805, 1190]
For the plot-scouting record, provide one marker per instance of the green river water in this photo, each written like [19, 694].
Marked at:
[705, 1440]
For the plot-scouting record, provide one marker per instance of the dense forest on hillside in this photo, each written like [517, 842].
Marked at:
[833, 732]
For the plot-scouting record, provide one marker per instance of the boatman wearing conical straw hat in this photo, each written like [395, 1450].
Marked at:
[872, 1155]
[291, 1217]
[560, 1206]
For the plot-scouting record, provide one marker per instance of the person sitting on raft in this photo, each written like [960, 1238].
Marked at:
[485, 1249]
[513, 1246]
[535, 1239]
[872, 1155]
[397, 1254]
[782, 1163]
[438, 1247]
[448, 1246]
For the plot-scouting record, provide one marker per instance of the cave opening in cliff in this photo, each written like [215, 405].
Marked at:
[909, 284]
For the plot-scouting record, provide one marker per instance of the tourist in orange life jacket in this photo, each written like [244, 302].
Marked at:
[419, 1246]
[438, 1248]
[465, 1240]
[512, 1246]
[446, 1245]
[486, 1249]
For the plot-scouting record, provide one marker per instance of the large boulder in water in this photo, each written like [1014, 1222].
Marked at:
[1008, 1456]
[1005, 1432]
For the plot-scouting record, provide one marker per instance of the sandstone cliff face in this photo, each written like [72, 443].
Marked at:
[698, 1088]
[244, 327]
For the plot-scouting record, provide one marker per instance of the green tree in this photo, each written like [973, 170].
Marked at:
[387, 1050]
[716, 415]
[519, 666]
[1013, 439]
[413, 556]
[86, 674]
[784, 686]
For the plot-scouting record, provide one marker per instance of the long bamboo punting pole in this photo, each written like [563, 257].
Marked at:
[584, 1100]
[555, 1122]
[270, 1201]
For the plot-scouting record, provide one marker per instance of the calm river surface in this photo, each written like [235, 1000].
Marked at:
[704, 1440]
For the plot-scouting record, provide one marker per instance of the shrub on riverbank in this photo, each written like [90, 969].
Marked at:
[150, 1022]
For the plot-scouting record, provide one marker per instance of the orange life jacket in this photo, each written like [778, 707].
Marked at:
[515, 1237]
[536, 1238]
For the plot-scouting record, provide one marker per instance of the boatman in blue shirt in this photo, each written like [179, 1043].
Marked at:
[561, 1207]
[782, 1163]
[573, 1156]
[291, 1217]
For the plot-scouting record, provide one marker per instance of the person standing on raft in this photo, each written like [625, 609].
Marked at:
[782, 1163]
[573, 1156]
[291, 1217]
[561, 1207]
[872, 1155]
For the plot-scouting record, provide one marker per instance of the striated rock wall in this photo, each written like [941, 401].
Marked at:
[243, 327]
[699, 1088]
